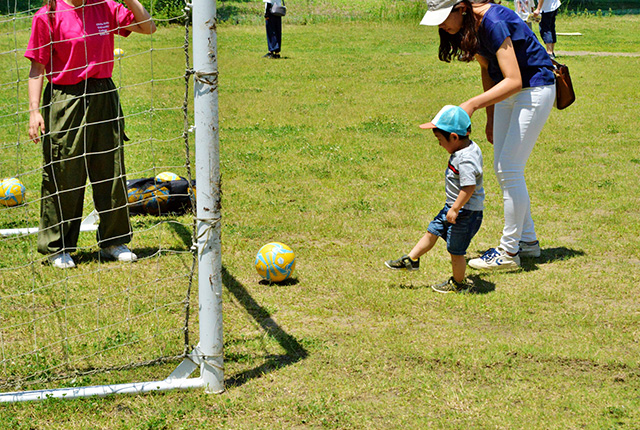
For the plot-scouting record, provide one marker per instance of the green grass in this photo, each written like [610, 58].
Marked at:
[321, 150]
[78, 322]
[319, 11]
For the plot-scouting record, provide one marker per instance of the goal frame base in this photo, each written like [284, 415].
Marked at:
[177, 380]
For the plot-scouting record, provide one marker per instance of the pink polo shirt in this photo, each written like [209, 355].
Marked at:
[81, 43]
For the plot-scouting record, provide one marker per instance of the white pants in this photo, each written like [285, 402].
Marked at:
[517, 124]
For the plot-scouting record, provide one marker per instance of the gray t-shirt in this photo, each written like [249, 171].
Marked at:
[464, 169]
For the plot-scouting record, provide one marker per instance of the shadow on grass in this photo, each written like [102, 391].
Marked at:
[93, 256]
[294, 350]
[550, 255]
[285, 283]
[185, 234]
[480, 286]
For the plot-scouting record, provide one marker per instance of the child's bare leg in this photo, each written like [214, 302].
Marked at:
[458, 266]
[423, 246]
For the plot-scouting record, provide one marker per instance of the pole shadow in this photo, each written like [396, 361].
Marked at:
[294, 350]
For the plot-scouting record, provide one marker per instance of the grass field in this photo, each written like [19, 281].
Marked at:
[321, 150]
[319, 11]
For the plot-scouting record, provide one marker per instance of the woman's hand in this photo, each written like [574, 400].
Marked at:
[36, 126]
[489, 131]
[468, 107]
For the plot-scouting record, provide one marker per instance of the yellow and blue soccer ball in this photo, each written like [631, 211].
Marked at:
[154, 199]
[118, 53]
[275, 262]
[166, 177]
[12, 192]
[134, 195]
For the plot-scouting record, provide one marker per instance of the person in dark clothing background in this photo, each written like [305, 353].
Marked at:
[273, 24]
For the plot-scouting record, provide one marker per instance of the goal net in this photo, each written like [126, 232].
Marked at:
[72, 330]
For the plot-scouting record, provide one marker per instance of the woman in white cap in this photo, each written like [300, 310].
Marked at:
[519, 92]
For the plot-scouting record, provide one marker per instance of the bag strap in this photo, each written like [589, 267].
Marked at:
[556, 65]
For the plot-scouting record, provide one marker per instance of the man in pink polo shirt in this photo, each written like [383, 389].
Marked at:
[81, 122]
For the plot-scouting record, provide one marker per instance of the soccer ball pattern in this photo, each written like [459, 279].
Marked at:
[154, 198]
[167, 176]
[134, 195]
[275, 262]
[12, 192]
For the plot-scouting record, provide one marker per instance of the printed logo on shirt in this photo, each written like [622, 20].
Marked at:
[103, 28]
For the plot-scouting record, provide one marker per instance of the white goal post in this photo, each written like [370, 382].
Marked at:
[207, 357]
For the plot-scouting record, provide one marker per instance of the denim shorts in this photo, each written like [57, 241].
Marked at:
[458, 235]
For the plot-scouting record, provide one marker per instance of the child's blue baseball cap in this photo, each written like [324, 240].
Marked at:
[452, 119]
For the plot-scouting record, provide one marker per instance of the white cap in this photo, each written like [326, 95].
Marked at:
[438, 11]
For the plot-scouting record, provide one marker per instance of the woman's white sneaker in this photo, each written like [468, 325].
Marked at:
[495, 259]
[62, 260]
[118, 252]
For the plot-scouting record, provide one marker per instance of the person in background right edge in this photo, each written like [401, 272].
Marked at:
[548, 9]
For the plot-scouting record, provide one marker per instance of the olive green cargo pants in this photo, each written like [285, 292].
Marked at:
[85, 140]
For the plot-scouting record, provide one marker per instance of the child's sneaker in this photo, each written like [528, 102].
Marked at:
[529, 251]
[452, 286]
[495, 259]
[403, 263]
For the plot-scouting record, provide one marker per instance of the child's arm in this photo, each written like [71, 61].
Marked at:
[463, 198]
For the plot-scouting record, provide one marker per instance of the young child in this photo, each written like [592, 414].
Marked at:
[461, 216]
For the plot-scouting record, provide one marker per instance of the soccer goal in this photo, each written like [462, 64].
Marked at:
[109, 327]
